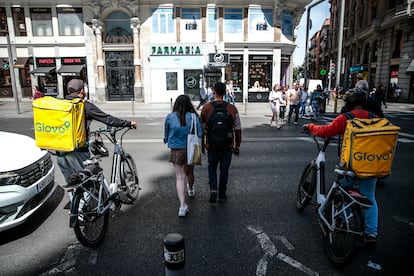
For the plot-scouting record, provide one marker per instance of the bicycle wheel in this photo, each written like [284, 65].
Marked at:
[129, 178]
[306, 187]
[340, 244]
[90, 227]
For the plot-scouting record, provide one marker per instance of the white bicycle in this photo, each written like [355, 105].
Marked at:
[339, 210]
[94, 196]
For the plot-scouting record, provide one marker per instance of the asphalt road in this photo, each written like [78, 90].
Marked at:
[256, 232]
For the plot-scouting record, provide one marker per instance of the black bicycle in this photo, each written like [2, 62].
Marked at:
[93, 196]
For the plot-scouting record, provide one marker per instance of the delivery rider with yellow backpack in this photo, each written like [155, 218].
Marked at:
[63, 126]
[367, 164]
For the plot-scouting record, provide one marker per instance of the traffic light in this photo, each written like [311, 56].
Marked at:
[332, 68]
[5, 63]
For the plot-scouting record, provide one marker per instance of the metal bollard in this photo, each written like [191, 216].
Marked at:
[171, 104]
[174, 255]
[245, 106]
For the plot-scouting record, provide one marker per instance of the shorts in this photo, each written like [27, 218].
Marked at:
[178, 156]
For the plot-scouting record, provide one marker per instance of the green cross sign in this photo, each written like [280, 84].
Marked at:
[323, 72]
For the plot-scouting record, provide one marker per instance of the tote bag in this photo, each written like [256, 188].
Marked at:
[193, 144]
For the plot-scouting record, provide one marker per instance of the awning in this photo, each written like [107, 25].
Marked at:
[42, 71]
[70, 70]
[21, 62]
[410, 69]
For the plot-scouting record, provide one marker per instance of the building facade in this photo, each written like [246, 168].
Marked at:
[378, 44]
[150, 51]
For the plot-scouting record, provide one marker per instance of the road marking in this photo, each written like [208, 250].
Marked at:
[270, 251]
[404, 220]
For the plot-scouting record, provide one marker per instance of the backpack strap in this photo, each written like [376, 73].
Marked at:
[215, 104]
[349, 115]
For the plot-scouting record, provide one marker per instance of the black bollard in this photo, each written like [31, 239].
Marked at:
[174, 255]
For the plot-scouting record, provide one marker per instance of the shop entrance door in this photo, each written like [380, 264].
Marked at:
[192, 83]
[120, 76]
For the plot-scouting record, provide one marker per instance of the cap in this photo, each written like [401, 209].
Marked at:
[75, 85]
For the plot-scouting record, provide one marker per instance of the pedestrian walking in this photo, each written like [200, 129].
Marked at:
[275, 99]
[380, 95]
[222, 138]
[294, 99]
[203, 96]
[230, 92]
[176, 129]
[303, 101]
[283, 104]
[316, 99]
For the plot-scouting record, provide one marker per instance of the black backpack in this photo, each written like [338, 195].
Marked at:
[220, 127]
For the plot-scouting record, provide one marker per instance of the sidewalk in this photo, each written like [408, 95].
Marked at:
[8, 109]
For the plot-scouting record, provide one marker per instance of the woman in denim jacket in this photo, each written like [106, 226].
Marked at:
[176, 128]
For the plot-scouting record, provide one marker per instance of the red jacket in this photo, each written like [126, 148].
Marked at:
[337, 126]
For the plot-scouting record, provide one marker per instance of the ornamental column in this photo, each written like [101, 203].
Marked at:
[135, 26]
[97, 26]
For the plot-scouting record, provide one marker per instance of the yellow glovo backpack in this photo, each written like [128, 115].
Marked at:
[369, 145]
[59, 124]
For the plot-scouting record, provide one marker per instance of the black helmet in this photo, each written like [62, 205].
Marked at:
[363, 85]
[355, 96]
[98, 148]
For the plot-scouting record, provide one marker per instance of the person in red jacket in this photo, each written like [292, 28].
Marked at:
[354, 101]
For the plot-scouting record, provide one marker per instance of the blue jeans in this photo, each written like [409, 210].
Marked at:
[366, 188]
[302, 108]
[72, 162]
[214, 158]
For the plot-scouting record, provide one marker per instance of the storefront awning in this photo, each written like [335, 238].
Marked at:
[70, 70]
[410, 69]
[21, 62]
[42, 71]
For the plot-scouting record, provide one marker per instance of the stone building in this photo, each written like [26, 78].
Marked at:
[378, 44]
[142, 50]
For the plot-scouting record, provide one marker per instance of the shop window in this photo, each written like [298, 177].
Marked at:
[162, 20]
[41, 21]
[212, 20]
[3, 22]
[191, 17]
[70, 21]
[19, 22]
[233, 21]
[260, 19]
[260, 73]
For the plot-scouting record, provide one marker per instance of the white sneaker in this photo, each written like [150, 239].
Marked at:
[182, 211]
[190, 192]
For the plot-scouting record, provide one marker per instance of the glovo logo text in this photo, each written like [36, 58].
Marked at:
[372, 157]
[42, 127]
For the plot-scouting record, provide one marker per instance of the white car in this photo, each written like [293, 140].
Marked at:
[27, 178]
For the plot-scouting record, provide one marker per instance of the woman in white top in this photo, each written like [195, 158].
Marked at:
[275, 100]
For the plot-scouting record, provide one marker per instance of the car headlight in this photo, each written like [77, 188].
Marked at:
[9, 178]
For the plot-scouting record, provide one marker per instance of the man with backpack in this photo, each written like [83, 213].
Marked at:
[221, 138]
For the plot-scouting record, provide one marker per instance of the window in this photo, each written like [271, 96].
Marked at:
[171, 80]
[19, 21]
[3, 22]
[70, 21]
[162, 20]
[260, 19]
[191, 17]
[233, 20]
[41, 21]
[212, 20]
[118, 29]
